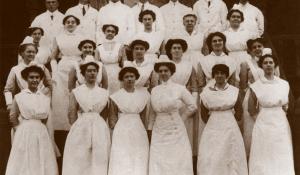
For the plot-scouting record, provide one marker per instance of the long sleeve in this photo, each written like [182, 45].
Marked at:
[143, 115]
[151, 118]
[154, 80]
[105, 112]
[204, 113]
[260, 22]
[72, 79]
[14, 114]
[113, 114]
[192, 84]
[252, 104]
[223, 15]
[104, 81]
[131, 30]
[73, 108]
[47, 80]
[201, 78]
[10, 87]
[244, 76]
[190, 103]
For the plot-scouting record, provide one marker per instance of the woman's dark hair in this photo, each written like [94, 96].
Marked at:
[171, 42]
[105, 26]
[147, 12]
[262, 58]
[71, 16]
[30, 30]
[235, 10]
[129, 50]
[210, 38]
[84, 67]
[171, 66]
[220, 68]
[128, 69]
[27, 70]
[23, 47]
[190, 14]
[250, 42]
[86, 41]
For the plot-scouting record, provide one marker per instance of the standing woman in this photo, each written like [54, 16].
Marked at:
[185, 75]
[148, 78]
[271, 148]
[87, 48]
[154, 38]
[32, 151]
[88, 143]
[130, 145]
[66, 45]
[216, 43]
[111, 55]
[170, 150]
[221, 149]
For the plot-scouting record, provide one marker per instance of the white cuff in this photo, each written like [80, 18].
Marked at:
[8, 98]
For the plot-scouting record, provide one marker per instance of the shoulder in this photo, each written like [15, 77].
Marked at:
[283, 82]
[116, 94]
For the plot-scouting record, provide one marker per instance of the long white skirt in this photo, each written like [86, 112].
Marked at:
[170, 150]
[130, 147]
[32, 152]
[87, 147]
[271, 149]
[221, 149]
[248, 123]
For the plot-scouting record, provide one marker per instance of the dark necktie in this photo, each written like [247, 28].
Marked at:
[83, 11]
[51, 17]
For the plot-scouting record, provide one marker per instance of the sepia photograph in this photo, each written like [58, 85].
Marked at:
[150, 87]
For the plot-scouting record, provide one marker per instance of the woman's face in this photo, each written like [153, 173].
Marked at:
[147, 21]
[138, 51]
[129, 79]
[268, 65]
[164, 73]
[91, 74]
[70, 24]
[217, 43]
[256, 49]
[235, 20]
[29, 54]
[36, 35]
[110, 33]
[176, 51]
[33, 80]
[220, 77]
[87, 49]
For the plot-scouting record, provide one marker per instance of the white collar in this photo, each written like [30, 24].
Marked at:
[114, 3]
[38, 92]
[213, 53]
[230, 29]
[215, 88]
[140, 4]
[195, 31]
[266, 81]
[174, 3]
[87, 6]
[165, 83]
[52, 13]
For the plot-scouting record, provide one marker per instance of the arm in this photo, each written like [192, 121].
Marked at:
[47, 79]
[192, 84]
[244, 76]
[97, 55]
[14, 114]
[53, 57]
[238, 107]
[154, 78]
[201, 78]
[190, 103]
[223, 15]
[143, 115]
[121, 56]
[252, 104]
[73, 108]
[113, 117]
[260, 22]
[10, 88]
[104, 81]
[232, 80]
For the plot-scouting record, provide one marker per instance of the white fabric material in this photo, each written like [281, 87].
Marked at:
[87, 146]
[120, 15]
[130, 145]
[170, 150]
[221, 149]
[254, 18]
[173, 14]
[109, 55]
[68, 46]
[158, 24]
[183, 72]
[51, 28]
[212, 18]
[32, 152]
[145, 69]
[271, 149]
[87, 25]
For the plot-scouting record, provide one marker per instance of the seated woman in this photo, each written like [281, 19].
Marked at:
[221, 148]
[154, 38]
[216, 43]
[87, 48]
[88, 143]
[35, 35]
[130, 145]
[111, 54]
[32, 151]
[271, 148]
[148, 78]
[170, 149]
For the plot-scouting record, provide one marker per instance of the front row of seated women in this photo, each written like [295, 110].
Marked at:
[89, 149]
